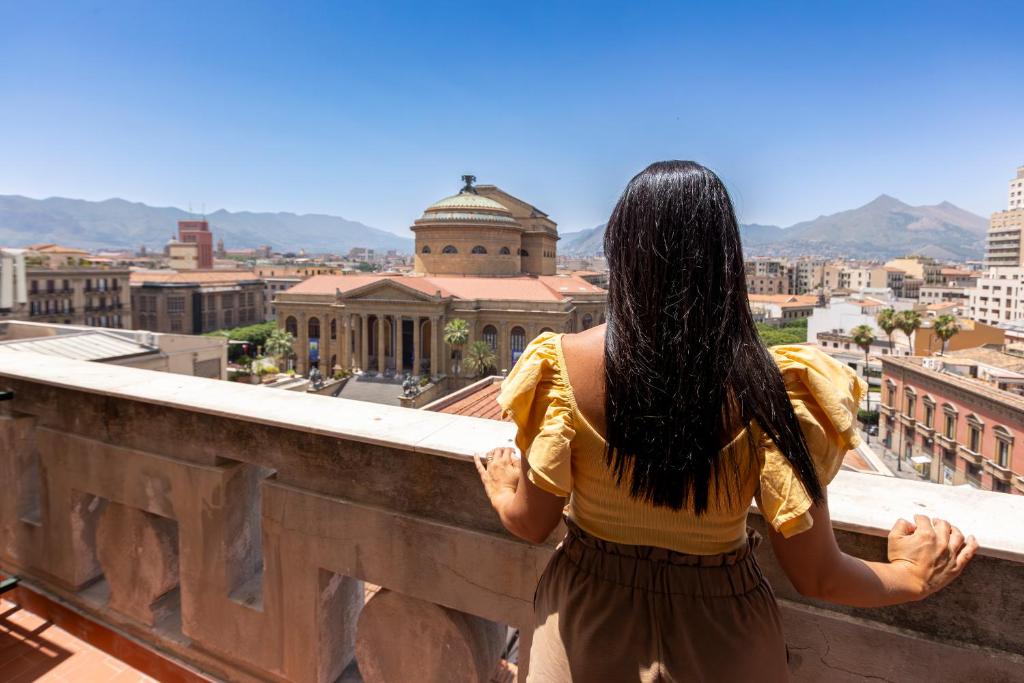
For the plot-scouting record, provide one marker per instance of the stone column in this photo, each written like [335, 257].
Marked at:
[364, 342]
[416, 345]
[398, 344]
[302, 353]
[380, 343]
[433, 346]
[504, 348]
[345, 342]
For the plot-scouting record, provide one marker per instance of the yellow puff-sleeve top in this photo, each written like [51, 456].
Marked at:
[566, 457]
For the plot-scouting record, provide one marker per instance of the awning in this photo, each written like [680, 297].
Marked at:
[921, 459]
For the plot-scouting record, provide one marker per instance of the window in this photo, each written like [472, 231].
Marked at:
[518, 342]
[929, 414]
[175, 305]
[504, 251]
[334, 331]
[33, 287]
[227, 300]
[49, 286]
[911, 402]
[523, 252]
[449, 249]
[1004, 446]
[425, 249]
[291, 326]
[175, 324]
[588, 321]
[491, 337]
[974, 439]
[478, 249]
[1002, 453]
[950, 427]
[229, 318]
[313, 328]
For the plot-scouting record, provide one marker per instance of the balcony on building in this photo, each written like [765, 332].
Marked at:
[252, 535]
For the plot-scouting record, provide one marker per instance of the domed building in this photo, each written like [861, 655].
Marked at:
[482, 255]
[484, 231]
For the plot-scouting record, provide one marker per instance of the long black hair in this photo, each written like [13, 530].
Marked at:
[685, 370]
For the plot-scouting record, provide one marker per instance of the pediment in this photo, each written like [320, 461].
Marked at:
[385, 290]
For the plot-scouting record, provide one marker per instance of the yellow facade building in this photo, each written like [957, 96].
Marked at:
[482, 255]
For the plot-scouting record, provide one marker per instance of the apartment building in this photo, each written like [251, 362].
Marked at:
[1003, 241]
[953, 419]
[196, 302]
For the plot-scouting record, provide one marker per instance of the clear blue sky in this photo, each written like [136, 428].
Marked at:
[375, 110]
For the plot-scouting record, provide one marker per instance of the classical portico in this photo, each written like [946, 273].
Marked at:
[482, 256]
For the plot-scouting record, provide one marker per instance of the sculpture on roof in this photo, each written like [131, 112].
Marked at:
[469, 180]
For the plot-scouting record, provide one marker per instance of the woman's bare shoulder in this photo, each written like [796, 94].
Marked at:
[586, 346]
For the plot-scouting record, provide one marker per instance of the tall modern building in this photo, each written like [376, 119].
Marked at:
[198, 232]
[1004, 230]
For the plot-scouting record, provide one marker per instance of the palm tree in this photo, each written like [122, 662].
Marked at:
[945, 327]
[456, 335]
[864, 337]
[908, 322]
[886, 320]
[480, 358]
[279, 344]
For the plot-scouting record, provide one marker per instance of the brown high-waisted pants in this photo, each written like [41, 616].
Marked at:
[608, 612]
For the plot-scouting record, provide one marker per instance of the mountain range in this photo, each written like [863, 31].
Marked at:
[883, 228]
[117, 223]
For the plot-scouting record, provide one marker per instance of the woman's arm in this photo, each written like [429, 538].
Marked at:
[924, 557]
[526, 510]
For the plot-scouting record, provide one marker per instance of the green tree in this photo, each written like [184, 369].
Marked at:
[908, 322]
[279, 344]
[793, 332]
[456, 335]
[886, 320]
[946, 327]
[864, 337]
[480, 358]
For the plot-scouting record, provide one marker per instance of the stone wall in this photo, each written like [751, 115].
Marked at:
[235, 528]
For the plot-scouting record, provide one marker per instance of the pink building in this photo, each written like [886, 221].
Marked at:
[951, 426]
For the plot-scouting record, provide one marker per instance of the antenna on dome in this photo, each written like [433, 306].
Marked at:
[469, 180]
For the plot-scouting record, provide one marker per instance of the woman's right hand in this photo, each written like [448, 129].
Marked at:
[932, 552]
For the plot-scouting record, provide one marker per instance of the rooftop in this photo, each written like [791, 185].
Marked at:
[519, 288]
[201, 277]
[977, 387]
[94, 346]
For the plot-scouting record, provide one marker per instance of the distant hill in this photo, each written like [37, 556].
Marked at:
[116, 223]
[882, 228]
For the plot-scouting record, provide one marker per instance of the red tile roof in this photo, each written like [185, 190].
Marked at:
[185, 276]
[481, 403]
[522, 288]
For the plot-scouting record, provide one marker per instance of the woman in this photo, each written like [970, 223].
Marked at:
[659, 429]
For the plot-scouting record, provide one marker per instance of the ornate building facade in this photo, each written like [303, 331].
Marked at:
[482, 255]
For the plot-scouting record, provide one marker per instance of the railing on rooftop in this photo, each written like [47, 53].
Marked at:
[234, 528]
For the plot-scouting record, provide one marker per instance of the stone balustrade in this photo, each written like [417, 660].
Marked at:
[237, 528]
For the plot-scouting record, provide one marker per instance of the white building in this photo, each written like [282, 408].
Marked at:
[998, 297]
[13, 287]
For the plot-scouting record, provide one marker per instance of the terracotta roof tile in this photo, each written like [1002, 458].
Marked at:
[524, 288]
[185, 276]
[481, 403]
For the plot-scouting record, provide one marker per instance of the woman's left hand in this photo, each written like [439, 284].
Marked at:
[501, 474]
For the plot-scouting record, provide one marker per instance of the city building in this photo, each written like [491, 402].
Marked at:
[783, 307]
[183, 255]
[998, 296]
[193, 302]
[1016, 192]
[198, 233]
[948, 418]
[49, 283]
[482, 255]
[1003, 241]
[176, 353]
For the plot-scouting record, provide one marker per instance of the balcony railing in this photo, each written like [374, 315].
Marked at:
[973, 457]
[233, 527]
